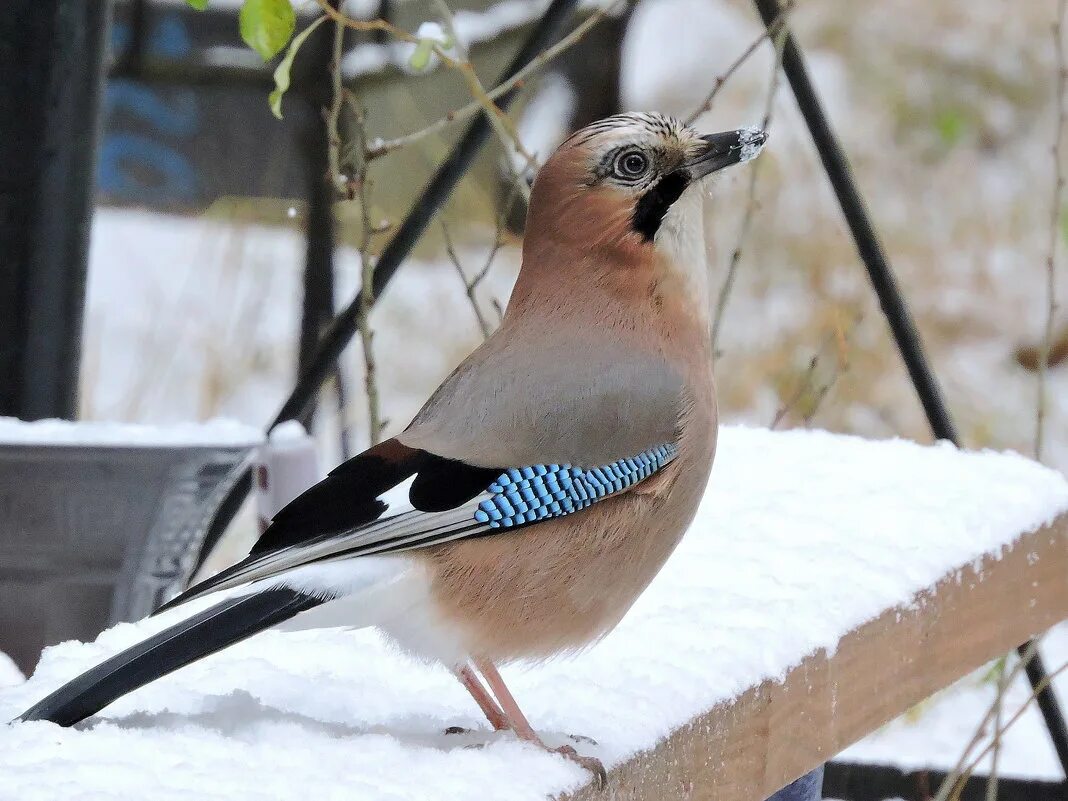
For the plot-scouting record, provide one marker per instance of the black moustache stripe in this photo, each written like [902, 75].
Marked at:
[651, 207]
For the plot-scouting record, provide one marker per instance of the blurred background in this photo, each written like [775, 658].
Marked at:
[946, 110]
[203, 268]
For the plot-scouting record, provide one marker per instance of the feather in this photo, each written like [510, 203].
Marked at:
[516, 497]
[205, 633]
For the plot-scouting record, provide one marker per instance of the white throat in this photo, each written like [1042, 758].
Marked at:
[681, 240]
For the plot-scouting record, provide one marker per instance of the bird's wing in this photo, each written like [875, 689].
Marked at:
[487, 456]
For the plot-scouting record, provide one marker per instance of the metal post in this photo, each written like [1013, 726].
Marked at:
[313, 80]
[51, 60]
[894, 307]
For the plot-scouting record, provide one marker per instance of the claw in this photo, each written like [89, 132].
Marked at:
[582, 738]
[592, 764]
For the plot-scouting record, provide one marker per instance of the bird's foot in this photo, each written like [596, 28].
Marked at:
[592, 764]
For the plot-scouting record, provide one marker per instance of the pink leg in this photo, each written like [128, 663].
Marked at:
[498, 720]
[521, 726]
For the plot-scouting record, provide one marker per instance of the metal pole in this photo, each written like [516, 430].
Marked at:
[317, 309]
[437, 191]
[51, 60]
[893, 304]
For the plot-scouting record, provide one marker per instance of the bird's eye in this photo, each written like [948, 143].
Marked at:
[631, 164]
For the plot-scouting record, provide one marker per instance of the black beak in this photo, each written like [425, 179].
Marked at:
[724, 149]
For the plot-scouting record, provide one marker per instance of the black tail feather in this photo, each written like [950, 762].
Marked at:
[205, 633]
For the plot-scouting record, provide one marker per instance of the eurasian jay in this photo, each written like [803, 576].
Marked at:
[551, 474]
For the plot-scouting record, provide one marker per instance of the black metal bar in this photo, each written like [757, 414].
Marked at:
[434, 195]
[853, 782]
[1047, 705]
[867, 241]
[893, 304]
[52, 63]
[312, 80]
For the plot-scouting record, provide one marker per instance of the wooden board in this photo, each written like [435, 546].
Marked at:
[748, 748]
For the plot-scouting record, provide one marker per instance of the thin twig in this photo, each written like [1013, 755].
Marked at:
[500, 121]
[751, 203]
[951, 778]
[350, 182]
[382, 147]
[333, 135]
[841, 339]
[769, 32]
[970, 770]
[375, 423]
[472, 284]
[999, 708]
[1054, 227]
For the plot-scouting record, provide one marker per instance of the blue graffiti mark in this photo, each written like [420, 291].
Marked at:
[140, 169]
[176, 117]
[125, 157]
[171, 39]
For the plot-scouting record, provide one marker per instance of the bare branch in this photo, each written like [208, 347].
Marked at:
[769, 32]
[970, 770]
[472, 284]
[751, 204]
[837, 337]
[954, 775]
[502, 124]
[1054, 227]
[380, 148]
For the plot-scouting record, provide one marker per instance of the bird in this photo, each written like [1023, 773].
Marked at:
[549, 476]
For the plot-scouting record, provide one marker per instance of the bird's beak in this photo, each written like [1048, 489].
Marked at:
[724, 149]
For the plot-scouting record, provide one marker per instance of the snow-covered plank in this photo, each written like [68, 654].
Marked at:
[746, 748]
[827, 583]
[65, 433]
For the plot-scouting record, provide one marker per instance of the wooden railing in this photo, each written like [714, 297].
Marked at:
[748, 748]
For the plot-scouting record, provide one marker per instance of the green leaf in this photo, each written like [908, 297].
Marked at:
[281, 72]
[420, 59]
[199, 5]
[266, 25]
[951, 125]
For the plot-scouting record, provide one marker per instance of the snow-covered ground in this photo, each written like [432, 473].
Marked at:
[802, 537]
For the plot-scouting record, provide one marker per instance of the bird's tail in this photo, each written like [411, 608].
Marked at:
[205, 633]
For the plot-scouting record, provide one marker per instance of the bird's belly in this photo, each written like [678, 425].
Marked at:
[557, 586]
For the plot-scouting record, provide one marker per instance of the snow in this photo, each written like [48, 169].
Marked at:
[803, 536]
[752, 140]
[218, 432]
[288, 433]
[10, 675]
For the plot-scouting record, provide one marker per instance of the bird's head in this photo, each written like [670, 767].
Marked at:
[628, 185]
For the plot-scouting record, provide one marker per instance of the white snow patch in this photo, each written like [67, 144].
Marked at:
[219, 432]
[802, 537]
[287, 433]
[752, 140]
[10, 675]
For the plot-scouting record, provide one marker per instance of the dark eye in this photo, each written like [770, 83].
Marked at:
[631, 164]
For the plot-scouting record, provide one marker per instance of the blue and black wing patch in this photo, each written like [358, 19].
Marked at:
[538, 492]
[343, 518]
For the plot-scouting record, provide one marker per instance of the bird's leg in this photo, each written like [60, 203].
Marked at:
[469, 679]
[521, 726]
